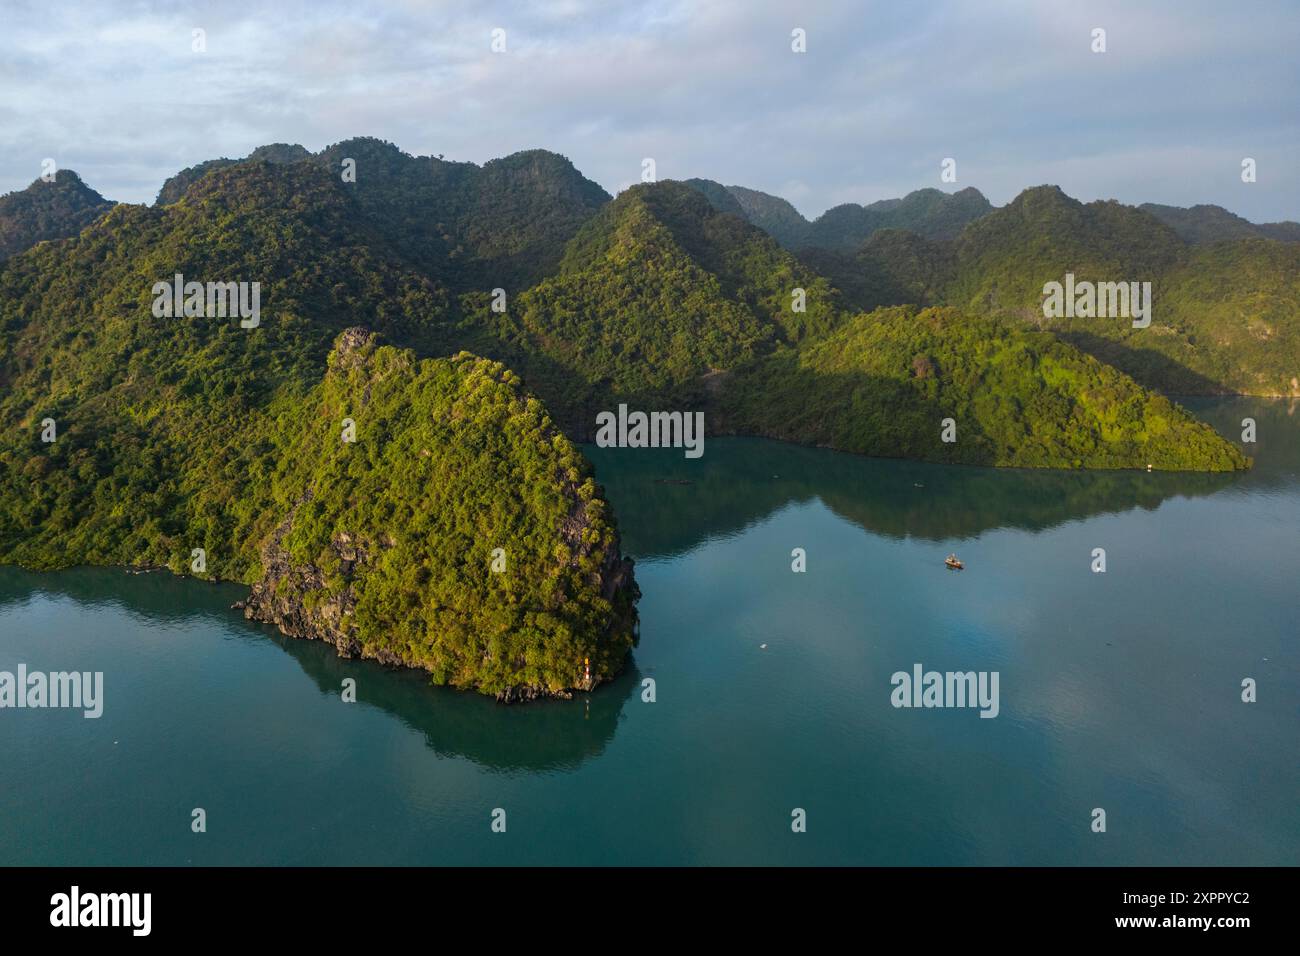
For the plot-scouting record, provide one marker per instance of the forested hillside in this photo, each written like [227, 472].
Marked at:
[171, 434]
[896, 382]
[1225, 315]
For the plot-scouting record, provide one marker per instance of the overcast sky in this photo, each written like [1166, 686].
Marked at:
[1012, 91]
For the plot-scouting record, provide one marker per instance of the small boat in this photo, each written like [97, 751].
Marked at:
[952, 562]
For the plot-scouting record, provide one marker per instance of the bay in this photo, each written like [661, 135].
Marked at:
[1119, 690]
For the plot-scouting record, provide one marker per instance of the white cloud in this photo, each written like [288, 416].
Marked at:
[884, 92]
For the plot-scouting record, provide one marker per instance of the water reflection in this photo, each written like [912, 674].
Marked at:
[159, 596]
[540, 736]
[667, 505]
[544, 736]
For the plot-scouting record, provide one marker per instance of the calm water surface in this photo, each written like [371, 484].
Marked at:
[1119, 690]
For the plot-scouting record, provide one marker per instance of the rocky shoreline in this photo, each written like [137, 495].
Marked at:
[285, 608]
[280, 598]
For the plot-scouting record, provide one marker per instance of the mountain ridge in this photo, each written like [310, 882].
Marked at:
[48, 210]
[929, 212]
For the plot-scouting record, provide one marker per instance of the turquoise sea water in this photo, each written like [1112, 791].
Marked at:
[1119, 690]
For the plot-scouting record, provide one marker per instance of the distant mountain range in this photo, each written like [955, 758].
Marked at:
[1228, 312]
[1226, 315]
[33, 215]
[927, 212]
[1202, 224]
[934, 214]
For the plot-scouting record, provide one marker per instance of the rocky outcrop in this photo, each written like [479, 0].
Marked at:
[317, 599]
[289, 596]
